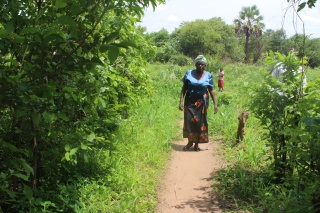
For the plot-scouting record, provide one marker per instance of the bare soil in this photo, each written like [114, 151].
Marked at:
[187, 184]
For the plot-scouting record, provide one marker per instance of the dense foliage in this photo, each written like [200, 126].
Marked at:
[290, 112]
[70, 70]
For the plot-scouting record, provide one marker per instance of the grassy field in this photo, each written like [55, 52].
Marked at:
[143, 145]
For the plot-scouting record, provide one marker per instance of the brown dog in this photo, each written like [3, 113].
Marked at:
[242, 124]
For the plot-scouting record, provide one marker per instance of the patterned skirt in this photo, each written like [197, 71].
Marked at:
[220, 83]
[195, 126]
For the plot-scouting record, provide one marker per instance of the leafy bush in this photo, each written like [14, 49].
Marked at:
[164, 53]
[291, 116]
[71, 70]
[180, 60]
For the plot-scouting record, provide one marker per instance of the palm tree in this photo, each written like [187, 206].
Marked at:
[249, 23]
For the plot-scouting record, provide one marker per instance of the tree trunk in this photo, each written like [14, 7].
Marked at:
[246, 59]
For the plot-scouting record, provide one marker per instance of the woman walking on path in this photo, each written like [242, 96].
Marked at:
[194, 101]
[221, 80]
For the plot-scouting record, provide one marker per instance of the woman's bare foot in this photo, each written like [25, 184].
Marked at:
[188, 146]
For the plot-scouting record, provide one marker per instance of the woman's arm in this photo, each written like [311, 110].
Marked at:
[183, 92]
[214, 99]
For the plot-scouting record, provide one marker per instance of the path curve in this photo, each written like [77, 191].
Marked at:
[187, 183]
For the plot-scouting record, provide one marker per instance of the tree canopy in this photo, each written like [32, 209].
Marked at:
[213, 37]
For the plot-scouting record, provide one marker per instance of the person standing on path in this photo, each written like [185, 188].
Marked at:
[221, 80]
[194, 101]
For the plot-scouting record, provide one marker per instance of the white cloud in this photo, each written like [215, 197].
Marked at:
[306, 18]
[309, 18]
[173, 18]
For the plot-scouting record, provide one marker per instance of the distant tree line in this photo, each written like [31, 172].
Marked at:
[244, 41]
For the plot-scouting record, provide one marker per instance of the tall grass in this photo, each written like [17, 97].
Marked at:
[143, 145]
[142, 149]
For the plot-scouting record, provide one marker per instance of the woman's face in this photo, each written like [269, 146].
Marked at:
[200, 66]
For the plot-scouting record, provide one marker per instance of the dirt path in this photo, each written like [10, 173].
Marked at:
[187, 184]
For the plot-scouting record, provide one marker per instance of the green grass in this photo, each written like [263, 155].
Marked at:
[142, 150]
[143, 145]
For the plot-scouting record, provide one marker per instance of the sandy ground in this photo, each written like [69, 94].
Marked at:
[187, 183]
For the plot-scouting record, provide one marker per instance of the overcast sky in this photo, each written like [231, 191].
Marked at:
[276, 14]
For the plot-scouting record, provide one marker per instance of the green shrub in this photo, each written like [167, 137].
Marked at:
[180, 60]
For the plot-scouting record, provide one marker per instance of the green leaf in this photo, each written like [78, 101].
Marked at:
[69, 89]
[83, 146]
[10, 28]
[103, 48]
[66, 20]
[9, 146]
[67, 156]
[126, 44]
[17, 38]
[311, 3]
[3, 175]
[67, 147]
[301, 6]
[91, 137]
[102, 102]
[110, 37]
[49, 117]
[28, 30]
[22, 176]
[73, 151]
[27, 168]
[27, 191]
[63, 116]
[119, 106]
[96, 60]
[75, 9]
[103, 89]
[113, 53]
[60, 4]
[3, 33]
[37, 38]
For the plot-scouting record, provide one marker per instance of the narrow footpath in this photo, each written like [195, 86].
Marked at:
[187, 184]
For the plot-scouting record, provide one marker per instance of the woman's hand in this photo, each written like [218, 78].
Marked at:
[183, 91]
[181, 107]
[215, 109]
